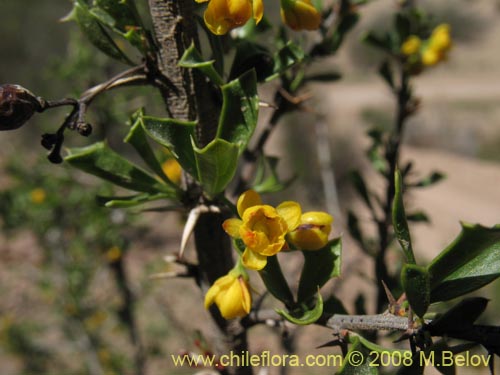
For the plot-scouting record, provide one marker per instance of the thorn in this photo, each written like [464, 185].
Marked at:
[192, 219]
[263, 104]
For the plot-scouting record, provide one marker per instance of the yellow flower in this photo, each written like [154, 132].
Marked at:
[172, 170]
[231, 295]
[313, 231]
[411, 45]
[224, 15]
[262, 228]
[440, 39]
[437, 46]
[113, 254]
[38, 195]
[300, 14]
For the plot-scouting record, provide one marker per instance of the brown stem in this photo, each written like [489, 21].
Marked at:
[190, 96]
[392, 157]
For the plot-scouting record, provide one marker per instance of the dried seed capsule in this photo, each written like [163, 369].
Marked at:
[17, 105]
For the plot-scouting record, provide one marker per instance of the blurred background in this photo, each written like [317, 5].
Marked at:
[75, 287]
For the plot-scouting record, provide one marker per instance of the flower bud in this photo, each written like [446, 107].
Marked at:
[231, 295]
[17, 105]
[313, 231]
[300, 14]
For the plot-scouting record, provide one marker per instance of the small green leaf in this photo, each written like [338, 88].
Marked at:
[266, 177]
[402, 25]
[399, 220]
[357, 361]
[96, 33]
[138, 139]
[319, 267]
[250, 56]
[376, 41]
[133, 200]
[303, 316]
[217, 164]
[99, 160]
[176, 136]
[285, 58]
[386, 73]
[275, 282]
[430, 180]
[418, 217]
[415, 281]
[123, 12]
[459, 317]
[192, 59]
[240, 110]
[346, 24]
[471, 261]
[360, 186]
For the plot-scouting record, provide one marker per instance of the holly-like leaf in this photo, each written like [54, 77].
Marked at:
[94, 30]
[133, 200]
[240, 110]
[99, 160]
[302, 315]
[217, 164]
[250, 56]
[416, 284]
[176, 136]
[357, 361]
[471, 261]
[192, 59]
[285, 58]
[138, 139]
[399, 220]
[319, 267]
[275, 282]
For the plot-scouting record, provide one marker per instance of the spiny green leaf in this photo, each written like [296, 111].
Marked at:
[275, 282]
[134, 200]
[471, 261]
[285, 58]
[99, 160]
[240, 110]
[192, 59]
[319, 267]
[95, 32]
[217, 164]
[176, 136]
[302, 315]
[138, 139]
[416, 284]
[399, 220]
[357, 361]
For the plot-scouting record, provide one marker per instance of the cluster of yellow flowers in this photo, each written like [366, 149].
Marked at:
[430, 51]
[265, 231]
[222, 16]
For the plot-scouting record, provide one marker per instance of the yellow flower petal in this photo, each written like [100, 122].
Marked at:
[232, 227]
[231, 295]
[300, 15]
[258, 10]
[290, 211]
[224, 15]
[201, 1]
[313, 231]
[246, 200]
[253, 260]
[411, 45]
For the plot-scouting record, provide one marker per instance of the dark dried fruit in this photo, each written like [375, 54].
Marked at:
[17, 105]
